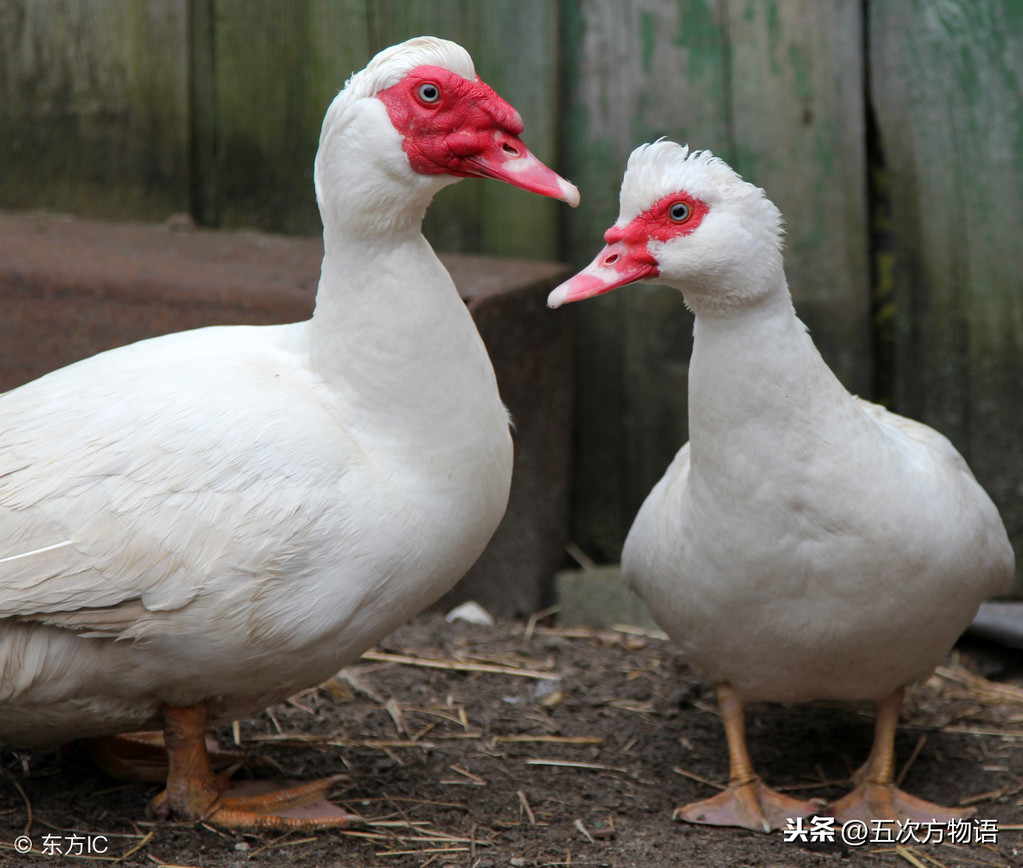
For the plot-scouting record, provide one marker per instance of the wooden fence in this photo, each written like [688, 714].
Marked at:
[889, 132]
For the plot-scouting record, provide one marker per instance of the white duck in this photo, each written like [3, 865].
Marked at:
[202, 524]
[805, 544]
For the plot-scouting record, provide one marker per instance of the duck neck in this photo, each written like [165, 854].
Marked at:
[395, 344]
[755, 379]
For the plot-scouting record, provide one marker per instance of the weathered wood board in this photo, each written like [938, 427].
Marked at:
[94, 107]
[123, 109]
[947, 85]
[277, 65]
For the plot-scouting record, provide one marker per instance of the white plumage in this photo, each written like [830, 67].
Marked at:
[229, 515]
[805, 544]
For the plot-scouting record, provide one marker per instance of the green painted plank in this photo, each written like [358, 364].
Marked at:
[798, 112]
[277, 65]
[516, 52]
[633, 72]
[947, 84]
[205, 202]
[94, 107]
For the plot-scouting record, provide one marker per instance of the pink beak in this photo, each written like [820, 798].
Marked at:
[618, 264]
[505, 158]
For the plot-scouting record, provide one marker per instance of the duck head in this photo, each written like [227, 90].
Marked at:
[414, 120]
[689, 221]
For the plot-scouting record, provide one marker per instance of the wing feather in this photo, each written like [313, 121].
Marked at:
[118, 500]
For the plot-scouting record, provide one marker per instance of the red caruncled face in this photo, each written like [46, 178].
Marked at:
[669, 217]
[627, 257]
[454, 126]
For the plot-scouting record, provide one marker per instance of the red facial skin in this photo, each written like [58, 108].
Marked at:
[466, 131]
[627, 257]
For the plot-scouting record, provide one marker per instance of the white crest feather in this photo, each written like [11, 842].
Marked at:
[663, 167]
[392, 64]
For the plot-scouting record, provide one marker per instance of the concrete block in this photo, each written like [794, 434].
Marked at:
[598, 598]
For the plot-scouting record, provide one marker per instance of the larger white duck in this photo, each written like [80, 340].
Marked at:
[199, 525]
[805, 544]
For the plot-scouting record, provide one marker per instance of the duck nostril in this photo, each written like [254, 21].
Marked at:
[510, 150]
[611, 260]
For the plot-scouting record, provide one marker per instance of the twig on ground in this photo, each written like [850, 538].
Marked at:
[455, 666]
[984, 797]
[535, 619]
[24, 797]
[476, 779]
[145, 840]
[912, 758]
[698, 778]
[397, 716]
[582, 828]
[524, 804]
[549, 739]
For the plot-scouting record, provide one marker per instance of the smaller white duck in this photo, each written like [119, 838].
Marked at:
[805, 544]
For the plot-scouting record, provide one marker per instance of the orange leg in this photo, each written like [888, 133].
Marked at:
[195, 793]
[142, 756]
[747, 801]
[875, 796]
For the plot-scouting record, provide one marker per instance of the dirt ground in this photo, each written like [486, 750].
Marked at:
[530, 745]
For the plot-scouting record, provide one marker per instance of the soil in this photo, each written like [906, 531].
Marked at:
[530, 745]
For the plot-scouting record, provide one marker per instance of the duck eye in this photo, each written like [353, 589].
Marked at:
[679, 212]
[428, 92]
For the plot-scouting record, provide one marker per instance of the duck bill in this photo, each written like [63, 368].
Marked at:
[616, 265]
[506, 158]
